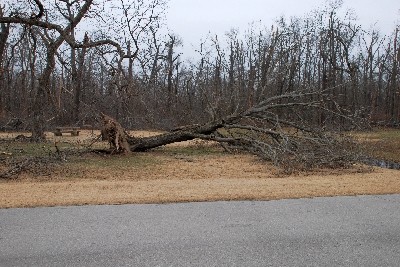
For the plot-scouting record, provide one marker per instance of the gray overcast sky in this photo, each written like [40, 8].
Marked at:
[194, 19]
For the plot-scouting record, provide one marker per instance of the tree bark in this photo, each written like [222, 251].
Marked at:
[4, 33]
[183, 134]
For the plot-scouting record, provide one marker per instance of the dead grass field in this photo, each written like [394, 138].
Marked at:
[182, 172]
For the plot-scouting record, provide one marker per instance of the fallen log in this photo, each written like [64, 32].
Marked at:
[291, 142]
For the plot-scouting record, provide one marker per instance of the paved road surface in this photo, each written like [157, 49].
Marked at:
[341, 231]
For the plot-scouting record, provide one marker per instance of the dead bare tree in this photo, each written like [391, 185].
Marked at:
[43, 86]
[54, 34]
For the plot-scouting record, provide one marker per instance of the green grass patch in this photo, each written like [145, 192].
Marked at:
[392, 135]
[381, 143]
[28, 149]
[193, 150]
[110, 162]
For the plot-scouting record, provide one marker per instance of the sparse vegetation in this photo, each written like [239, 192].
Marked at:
[381, 143]
[188, 171]
[74, 154]
[110, 162]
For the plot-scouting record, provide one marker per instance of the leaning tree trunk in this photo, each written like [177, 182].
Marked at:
[120, 141]
[179, 135]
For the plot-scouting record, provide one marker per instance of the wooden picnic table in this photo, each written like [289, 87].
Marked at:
[74, 131]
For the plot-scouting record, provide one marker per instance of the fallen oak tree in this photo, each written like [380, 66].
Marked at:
[282, 129]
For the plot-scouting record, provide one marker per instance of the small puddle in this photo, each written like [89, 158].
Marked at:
[382, 163]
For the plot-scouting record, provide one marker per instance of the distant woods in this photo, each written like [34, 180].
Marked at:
[125, 66]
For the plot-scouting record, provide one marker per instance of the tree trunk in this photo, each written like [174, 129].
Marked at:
[179, 135]
[40, 101]
[4, 33]
[79, 72]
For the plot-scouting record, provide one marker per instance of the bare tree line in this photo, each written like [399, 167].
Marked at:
[54, 72]
[277, 92]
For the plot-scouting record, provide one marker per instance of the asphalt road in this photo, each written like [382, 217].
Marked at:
[340, 231]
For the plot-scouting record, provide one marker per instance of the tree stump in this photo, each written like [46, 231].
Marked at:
[113, 132]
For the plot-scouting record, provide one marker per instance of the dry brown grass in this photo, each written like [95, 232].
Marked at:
[189, 171]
